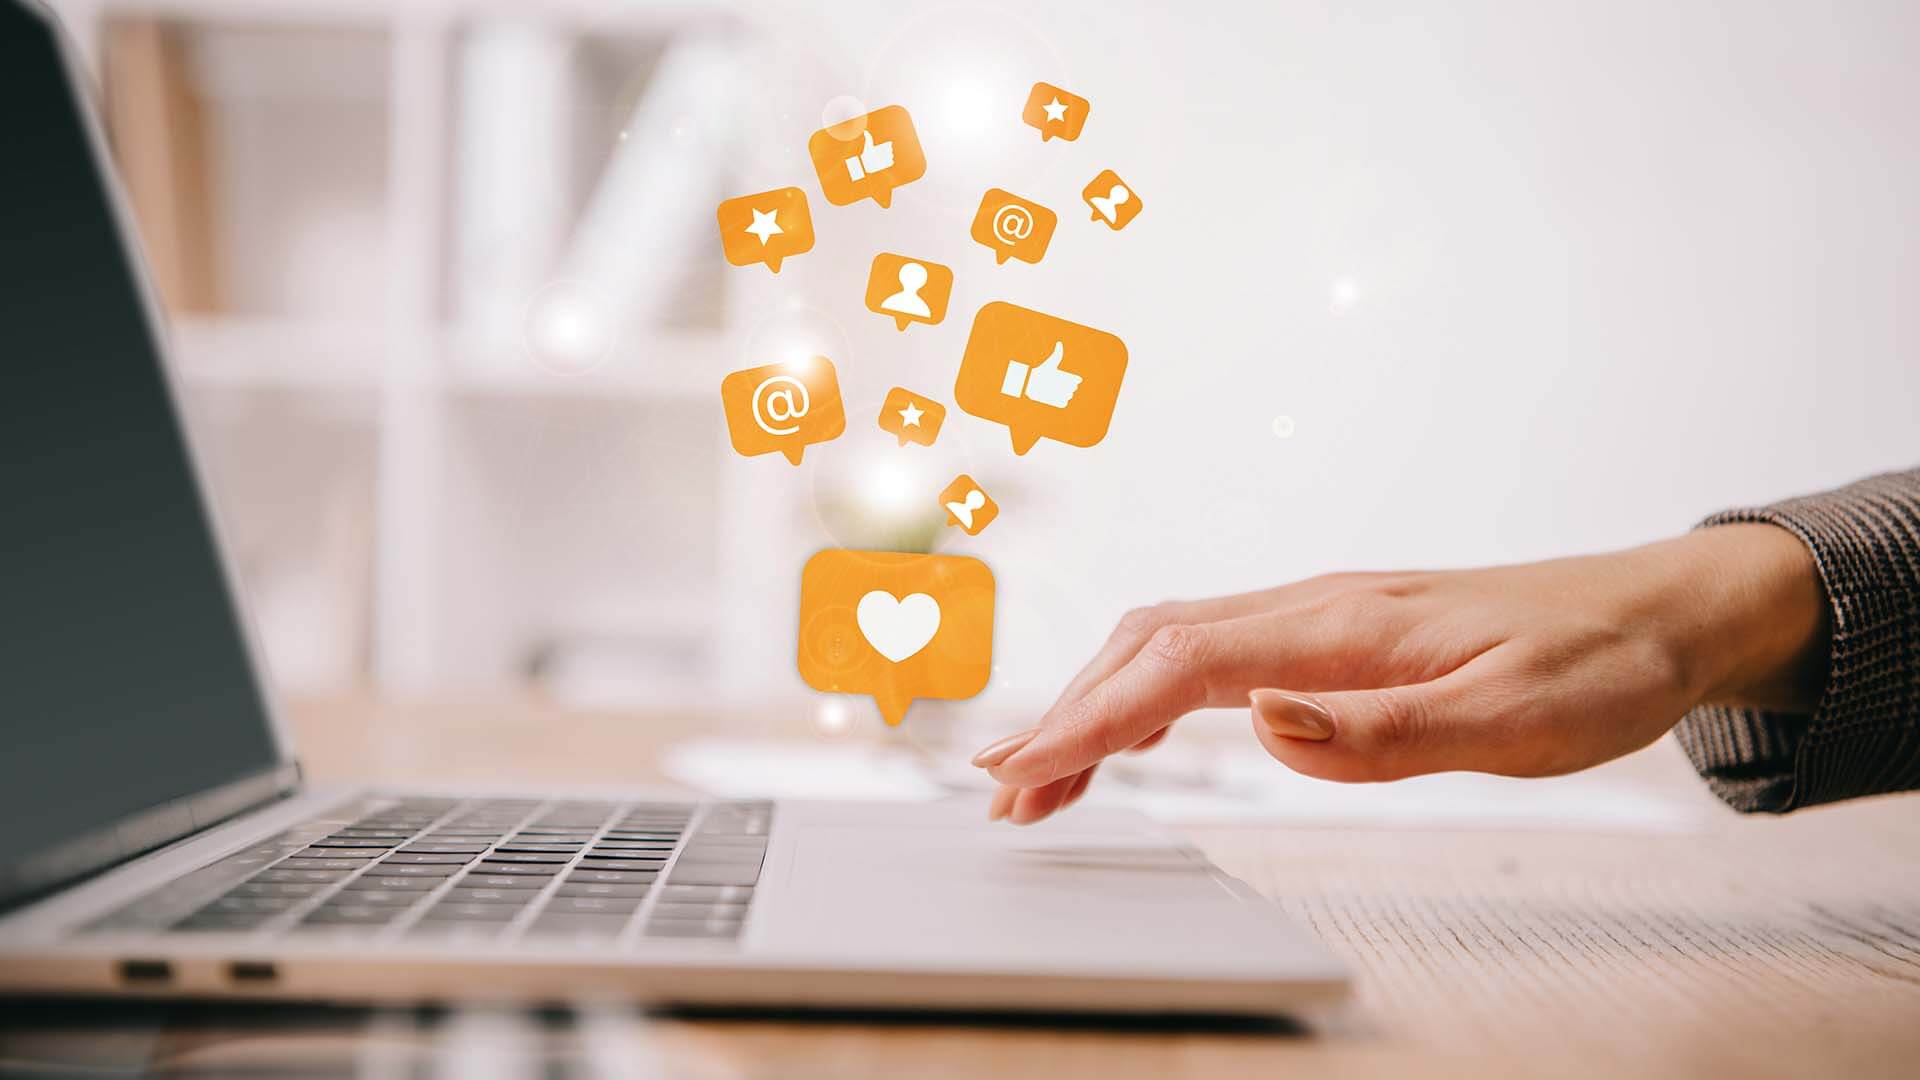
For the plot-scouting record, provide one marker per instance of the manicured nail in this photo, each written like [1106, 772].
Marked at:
[1295, 716]
[1004, 749]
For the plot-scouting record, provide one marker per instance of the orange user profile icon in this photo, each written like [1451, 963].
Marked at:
[783, 408]
[1015, 228]
[1111, 200]
[897, 626]
[911, 418]
[908, 290]
[1043, 377]
[1054, 112]
[867, 157]
[766, 228]
[968, 506]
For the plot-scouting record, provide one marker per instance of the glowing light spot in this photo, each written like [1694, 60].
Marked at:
[841, 109]
[833, 719]
[1342, 295]
[1283, 426]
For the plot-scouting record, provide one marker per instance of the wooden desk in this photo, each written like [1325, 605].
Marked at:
[1758, 947]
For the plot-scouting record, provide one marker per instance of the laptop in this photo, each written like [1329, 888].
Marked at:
[157, 839]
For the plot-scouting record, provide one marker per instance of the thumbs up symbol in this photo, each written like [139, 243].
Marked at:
[871, 159]
[1046, 384]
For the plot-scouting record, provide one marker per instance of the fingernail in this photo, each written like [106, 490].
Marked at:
[1295, 716]
[998, 752]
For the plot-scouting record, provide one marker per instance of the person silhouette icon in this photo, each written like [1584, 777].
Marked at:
[913, 278]
[1106, 205]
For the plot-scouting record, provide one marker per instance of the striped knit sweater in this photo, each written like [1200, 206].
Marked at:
[1864, 736]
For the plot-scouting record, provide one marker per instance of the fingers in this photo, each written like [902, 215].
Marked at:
[1389, 733]
[1181, 668]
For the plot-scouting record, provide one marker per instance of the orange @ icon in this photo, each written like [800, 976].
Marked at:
[783, 408]
[1013, 227]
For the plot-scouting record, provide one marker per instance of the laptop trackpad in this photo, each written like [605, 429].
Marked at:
[934, 886]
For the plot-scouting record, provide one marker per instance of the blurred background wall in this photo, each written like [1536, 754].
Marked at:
[1415, 285]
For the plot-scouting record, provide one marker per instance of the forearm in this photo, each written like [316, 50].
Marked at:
[1762, 741]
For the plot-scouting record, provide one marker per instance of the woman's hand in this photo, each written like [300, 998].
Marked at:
[1528, 670]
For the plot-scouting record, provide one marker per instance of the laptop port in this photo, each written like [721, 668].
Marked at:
[252, 971]
[145, 972]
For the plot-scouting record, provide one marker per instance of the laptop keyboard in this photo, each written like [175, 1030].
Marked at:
[481, 870]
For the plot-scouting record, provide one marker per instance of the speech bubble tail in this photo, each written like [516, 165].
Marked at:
[904, 440]
[793, 453]
[1095, 216]
[1045, 135]
[1023, 442]
[893, 707]
[900, 323]
[1001, 255]
[773, 263]
[883, 196]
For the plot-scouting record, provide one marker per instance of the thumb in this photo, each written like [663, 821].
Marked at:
[1361, 735]
[868, 136]
[1052, 362]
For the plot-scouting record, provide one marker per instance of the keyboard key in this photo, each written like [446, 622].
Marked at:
[715, 873]
[268, 888]
[597, 927]
[699, 911]
[591, 863]
[301, 860]
[337, 841]
[687, 928]
[308, 877]
[443, 848]
[713, 894]
[528, 857]
[503, 881]
[387, 868]
[519, 869]
[590, 905]
[222, 920]
[400, 884]
[426, 858]
[387, 898]
[612, 877]
[600, 888]
[517, 847]
[252, 903]
[490, 896]
[359, 914]
[470, 912]
[633, 845]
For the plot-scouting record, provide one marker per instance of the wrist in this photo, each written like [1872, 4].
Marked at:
[1752, 621]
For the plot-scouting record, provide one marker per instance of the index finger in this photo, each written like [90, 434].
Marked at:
[1181, 668]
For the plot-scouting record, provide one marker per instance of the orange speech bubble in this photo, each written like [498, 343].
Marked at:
[897, 626]
[968, 505]
[783, 408]
[867, 157]
[766, 228]
[911, 418]
[1015, 228]
[1111, 200]
[1042, 377]
[909, 290]
[1054, 112]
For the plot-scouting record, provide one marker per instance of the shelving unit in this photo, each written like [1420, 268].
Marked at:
[365, 353]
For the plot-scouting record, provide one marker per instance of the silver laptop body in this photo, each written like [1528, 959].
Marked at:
[156, 838]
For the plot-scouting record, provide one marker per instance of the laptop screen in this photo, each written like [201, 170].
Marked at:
[125, 686]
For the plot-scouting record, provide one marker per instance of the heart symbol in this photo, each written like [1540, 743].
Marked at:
[897, 628]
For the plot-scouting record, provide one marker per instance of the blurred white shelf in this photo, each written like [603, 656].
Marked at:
[275, 354]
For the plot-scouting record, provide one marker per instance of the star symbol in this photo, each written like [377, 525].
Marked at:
[910, 416]
[1055, 110]
[765, 225]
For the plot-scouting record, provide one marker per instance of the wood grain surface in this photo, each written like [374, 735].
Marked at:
[1751, 947]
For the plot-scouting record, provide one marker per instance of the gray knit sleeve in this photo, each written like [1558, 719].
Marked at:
[1864, 736]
